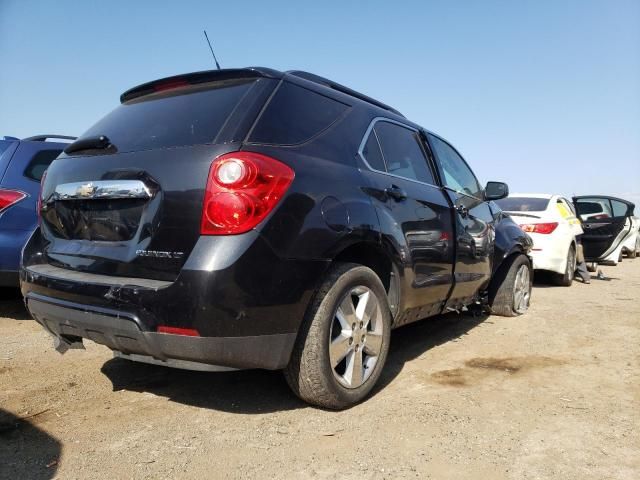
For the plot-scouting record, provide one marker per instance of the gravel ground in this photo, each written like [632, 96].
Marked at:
[552, 394]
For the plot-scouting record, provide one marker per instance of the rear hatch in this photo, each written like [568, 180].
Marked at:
[126, 199]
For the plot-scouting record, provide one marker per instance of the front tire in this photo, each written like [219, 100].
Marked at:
[343, 343]
[566, 279]
[510, 289]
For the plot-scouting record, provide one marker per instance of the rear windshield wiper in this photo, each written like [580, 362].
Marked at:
[100, 142]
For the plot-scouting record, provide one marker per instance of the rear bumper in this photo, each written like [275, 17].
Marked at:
[123, 332]
[544, 261]
[245, 302]
[11, 243]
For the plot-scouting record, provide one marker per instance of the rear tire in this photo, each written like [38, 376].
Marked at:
[570, 270]
[343, 343]
[634, 253]
[510, 289]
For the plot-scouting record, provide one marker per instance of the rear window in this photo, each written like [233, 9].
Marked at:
[523, 204]
[40, 162]
[188, 116]
[295, 115]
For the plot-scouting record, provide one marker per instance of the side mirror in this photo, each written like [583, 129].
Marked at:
[496, 190]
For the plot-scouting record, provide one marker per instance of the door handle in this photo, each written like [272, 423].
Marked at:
[396, 193]
[462, 210]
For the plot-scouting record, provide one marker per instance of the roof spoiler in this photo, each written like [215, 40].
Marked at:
[43, 138]
[196, 78]
[341, 88]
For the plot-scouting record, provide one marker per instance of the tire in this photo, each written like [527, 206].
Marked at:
[636, 251]
[504, 292]
[566, 279]
[314, 372]
[592, 267]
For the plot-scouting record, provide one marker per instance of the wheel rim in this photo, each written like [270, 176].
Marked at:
[522, 290]
[356, 337]
[571, 264]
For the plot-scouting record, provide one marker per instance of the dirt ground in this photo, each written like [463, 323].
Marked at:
[552, 394]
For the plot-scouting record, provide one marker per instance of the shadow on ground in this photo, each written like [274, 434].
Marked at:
[260, 391]
[26, 452]
[11, 304]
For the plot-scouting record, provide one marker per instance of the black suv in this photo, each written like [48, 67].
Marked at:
[250, 218]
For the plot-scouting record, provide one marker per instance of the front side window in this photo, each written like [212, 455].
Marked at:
[455, 172]
[402, 152]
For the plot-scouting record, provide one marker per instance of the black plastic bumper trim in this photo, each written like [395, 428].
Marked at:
[121, 331]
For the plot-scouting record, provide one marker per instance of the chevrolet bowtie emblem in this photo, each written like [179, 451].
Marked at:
[86, 190]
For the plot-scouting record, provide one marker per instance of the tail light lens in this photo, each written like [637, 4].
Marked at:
[544, 228]
[9, 198]
[242, 188]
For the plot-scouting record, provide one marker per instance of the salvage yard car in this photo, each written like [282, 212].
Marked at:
[610, 228]
[552, 224]
[22, 163]
[250, 218]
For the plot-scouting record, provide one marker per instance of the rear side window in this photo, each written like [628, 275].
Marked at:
[593, 208]
[372, 153]
[295, 115]
[523, 204]
[39, 163]
[619, 208]
[186, 116]
[402, 152]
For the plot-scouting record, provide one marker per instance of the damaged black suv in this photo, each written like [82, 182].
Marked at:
[250, 218]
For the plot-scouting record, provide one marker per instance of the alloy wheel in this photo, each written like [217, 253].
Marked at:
[356, 337]
[522, 290]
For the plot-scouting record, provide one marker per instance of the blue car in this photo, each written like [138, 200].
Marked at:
[22, 164]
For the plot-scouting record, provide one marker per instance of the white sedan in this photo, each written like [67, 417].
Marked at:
[551, 222]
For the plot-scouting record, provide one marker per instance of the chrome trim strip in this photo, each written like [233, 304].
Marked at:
[102, 189]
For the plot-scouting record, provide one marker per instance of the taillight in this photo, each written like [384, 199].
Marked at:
[544, 228]
[242, 188]
[170, 85]
[9, 198]
[39, 203]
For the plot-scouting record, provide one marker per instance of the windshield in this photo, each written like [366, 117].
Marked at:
[187, 116]
[523, 204]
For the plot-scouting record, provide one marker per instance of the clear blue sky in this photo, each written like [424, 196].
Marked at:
[543, 94]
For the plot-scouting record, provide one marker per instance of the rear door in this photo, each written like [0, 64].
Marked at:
[474, 223]
[414, 214]
[605, 221]
[132, 206]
